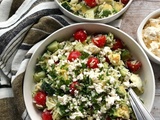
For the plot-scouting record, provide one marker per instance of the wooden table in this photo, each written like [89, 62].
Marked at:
[138, 10]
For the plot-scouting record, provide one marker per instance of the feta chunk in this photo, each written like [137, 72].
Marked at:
[76, 114]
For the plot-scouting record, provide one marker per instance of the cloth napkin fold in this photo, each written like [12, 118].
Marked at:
[20, 35]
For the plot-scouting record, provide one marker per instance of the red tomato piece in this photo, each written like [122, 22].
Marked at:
[74, 55]
[93, 62]
[73, 87]
[40, 98]
[91, 3]
[99, 40]
[80, 35]
[134, 65]
[125, 1]
[47, 115]
[117, 45]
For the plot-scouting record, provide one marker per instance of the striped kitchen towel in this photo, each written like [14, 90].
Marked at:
[23, 24]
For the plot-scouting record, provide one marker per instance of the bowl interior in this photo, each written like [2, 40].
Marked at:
[102, 20]
[154, 14]
[146, 72]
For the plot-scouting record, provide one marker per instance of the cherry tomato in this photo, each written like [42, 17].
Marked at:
[117, 45]
[47, 115]
[80, 35]
[93, 62]
[134, 65]
[74, 55]
[40, 98]
[99, 40]
[91, 3]
[125, 1]
[73, 87]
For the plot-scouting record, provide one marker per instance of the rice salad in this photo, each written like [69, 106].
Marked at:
[86, 78]
[94, 9]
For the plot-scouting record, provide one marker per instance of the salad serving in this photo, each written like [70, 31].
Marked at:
[86, 78]
[150, 35]
[94, 9]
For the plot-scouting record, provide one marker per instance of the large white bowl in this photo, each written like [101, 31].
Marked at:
[146, 73]
[81, 19]
[153, 14]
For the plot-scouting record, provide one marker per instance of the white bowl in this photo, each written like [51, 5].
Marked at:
[146, 73]
[154, 14]
[81, 19]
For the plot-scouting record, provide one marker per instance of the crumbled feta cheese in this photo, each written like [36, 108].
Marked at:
[99, 99]
[112, 79]
[50, 62]
[89, 103]
[76, 92]
[100, 65]
[106, 51]
[64, 99]
[63, 87]
[84, 99]
[80, 77]
[76, 114]
[98, 87]
[110, 100]
[55, 58]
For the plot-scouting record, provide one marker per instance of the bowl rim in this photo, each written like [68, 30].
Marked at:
[95, 20]
[77, 24]
[153, 14]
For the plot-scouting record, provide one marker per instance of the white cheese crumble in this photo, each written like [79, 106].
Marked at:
[76, 114]
[151, 35]
[64, 99]
[98, 87]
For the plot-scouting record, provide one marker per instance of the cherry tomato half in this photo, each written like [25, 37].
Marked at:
[91, 3]
[134, 65]
[99, 40]
[40, 98]
[93, 62]
[47, 115]
[73, 87]
[74, 55]
[117, 45]
[80, 35]
[125, 1]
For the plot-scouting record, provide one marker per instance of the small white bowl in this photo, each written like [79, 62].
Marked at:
[153, 14]
[146, 73]
[82, 19]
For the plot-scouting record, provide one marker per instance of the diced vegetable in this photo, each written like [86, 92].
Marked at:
[125, 55]
[38, 76]
[53, 46]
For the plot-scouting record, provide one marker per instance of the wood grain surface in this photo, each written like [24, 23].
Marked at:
[138, 10]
